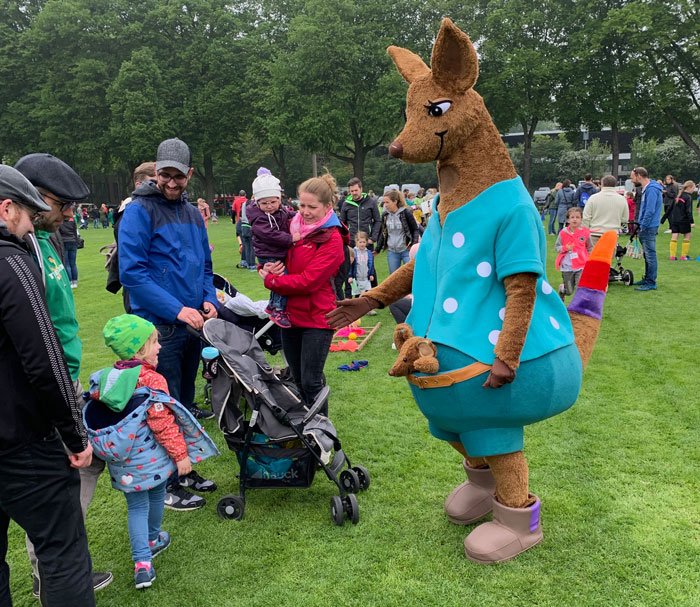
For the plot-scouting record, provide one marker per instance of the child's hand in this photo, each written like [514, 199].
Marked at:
[570, 246]
[296, 237]
[349, 281]
[184, 466]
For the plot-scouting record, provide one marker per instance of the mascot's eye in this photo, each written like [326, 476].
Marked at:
[405, 360]
[437, 109]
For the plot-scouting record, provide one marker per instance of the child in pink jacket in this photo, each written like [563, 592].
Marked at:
[573, 245]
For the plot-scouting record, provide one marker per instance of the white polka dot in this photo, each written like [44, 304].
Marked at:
[546, 287]
[450, 305]
[554, 322]
[502, 313]
[493, 336]
[458, 240]
[483, 269]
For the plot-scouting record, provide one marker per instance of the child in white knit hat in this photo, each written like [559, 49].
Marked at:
[269, 221]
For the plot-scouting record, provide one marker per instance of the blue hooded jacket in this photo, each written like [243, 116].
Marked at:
[651, 206]
[164, 256]
[136, 461]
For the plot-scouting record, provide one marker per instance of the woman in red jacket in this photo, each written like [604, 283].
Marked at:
[312, 262]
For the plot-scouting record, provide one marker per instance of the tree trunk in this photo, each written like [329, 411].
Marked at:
[209, 178]
[529, 135]
[615, 145]
[278, 155]
[685, 136]
[358, 161]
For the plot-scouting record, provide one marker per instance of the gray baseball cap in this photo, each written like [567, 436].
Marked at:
[174, 154]
[16, 187]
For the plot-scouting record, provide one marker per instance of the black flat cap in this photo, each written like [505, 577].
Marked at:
[52, 174]
[16, 187]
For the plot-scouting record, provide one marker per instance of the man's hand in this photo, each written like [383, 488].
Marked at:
[184, 466]
[370, 241]
[296, 237]
[82, 459]
[191, 317]
[209, 311]
[500, 374]
[349, 310]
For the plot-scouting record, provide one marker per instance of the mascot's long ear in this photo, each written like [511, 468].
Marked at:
[454, 62]
[410, 65]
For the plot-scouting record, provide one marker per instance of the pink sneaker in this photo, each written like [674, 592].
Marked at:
[281, 319]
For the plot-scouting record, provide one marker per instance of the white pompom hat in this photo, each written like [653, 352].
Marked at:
[266, 185]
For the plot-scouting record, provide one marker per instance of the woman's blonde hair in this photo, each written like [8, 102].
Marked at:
[397, 197]
[323, 187]
[688, 183]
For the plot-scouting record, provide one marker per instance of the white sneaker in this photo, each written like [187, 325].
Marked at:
[668, 232]
[74, 284]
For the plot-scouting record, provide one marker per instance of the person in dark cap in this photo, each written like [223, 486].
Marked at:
[60, 188]
[171, 286]
[39, 483]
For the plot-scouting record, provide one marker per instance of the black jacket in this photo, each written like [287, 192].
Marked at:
[38, 393]
[679, 212]
[411, 233]
[361, 216]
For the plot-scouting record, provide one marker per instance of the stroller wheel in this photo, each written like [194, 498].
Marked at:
[231, 507]
[351, 507]
[350, 481]
[363, 475]
[337, 511]
[627, 277]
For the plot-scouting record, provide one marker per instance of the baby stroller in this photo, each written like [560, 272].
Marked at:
[279, 441]
[617, 272]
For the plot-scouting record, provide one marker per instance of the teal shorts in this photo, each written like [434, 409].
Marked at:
[490, 421]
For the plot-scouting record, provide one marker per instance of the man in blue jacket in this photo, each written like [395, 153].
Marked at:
[165, 263]
[649, 220]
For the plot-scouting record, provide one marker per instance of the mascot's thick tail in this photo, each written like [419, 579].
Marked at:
[586, 307]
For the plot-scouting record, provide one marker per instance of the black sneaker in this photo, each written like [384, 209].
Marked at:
[100, 580]
[181, 499]
[201, 413]
[197, 483]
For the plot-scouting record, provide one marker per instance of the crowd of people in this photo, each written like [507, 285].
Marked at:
[601, 206]
[307, 257]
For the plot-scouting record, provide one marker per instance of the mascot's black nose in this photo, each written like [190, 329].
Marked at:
[396, 149]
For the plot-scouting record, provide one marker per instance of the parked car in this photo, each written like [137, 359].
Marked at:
[540, 197]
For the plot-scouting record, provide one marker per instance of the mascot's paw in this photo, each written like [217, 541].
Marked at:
[512, 531]
[415, 353]
[473, 499]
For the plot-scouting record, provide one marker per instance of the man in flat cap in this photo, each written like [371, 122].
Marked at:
[165, 264]
[60, 188]
[39, 483]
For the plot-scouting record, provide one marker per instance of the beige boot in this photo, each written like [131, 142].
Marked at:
[512, 531]
[473, 499]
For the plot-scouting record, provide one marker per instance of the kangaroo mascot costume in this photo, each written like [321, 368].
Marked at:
[508, 352]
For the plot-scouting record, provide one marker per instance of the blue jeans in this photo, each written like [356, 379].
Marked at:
[248, 254]
[277, 301]
[95, 223]
[178, 362]
[647, 238]
[71, 257]
[145, 517]
[395, 259]
[552, 218]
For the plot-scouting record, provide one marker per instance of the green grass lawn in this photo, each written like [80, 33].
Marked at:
[618, 476]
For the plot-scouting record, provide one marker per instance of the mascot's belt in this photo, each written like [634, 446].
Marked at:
[447, 379]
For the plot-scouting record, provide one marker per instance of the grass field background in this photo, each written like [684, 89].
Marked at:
[618, 476]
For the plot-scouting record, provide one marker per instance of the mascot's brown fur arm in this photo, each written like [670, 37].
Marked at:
[520, 302]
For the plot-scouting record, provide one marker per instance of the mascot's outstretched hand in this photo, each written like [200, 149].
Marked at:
[500, 375]
[349, 310]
